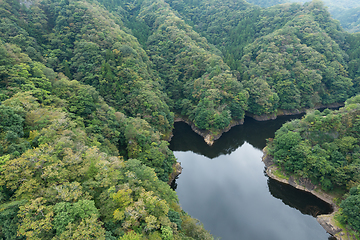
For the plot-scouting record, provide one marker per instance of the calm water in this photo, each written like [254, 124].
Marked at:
[225, 187]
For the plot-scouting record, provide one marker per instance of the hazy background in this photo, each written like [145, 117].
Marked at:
[346, 11]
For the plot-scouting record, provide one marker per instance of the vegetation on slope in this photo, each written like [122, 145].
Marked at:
[288, 56]
[347, 12]
[199, 84]
[324, 147]
[88, 97]
[90, 45]
[61, 175]
[349, 18]
[197, 80]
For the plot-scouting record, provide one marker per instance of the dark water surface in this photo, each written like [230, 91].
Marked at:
[226, 188]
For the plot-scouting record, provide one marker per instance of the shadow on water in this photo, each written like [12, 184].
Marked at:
[252, 131]
[303, 201]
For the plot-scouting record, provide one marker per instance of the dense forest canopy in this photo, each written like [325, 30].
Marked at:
[61, 172]
[89, 91]
[324, 147]
[289, 56]
[346, 11]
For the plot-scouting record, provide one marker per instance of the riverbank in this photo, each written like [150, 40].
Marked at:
[284, 112]
[209, 136]
[177, 170]
[327, 221]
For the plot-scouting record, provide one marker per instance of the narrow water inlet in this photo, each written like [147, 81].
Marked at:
[225, 187]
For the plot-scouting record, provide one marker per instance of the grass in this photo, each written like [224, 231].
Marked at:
[345, 230]
[337, 192]
[278, 173]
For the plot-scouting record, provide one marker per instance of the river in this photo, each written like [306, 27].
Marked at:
[226, 188]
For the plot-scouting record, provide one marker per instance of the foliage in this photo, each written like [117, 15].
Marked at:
[347, 12]
[266, 3]
[192, 70]
[350, 208]
[324, 147]
[89, 91]
[349, 18]
[288, 56]
[70, 187]
[321, 146]
[60, 169]
[86, 43]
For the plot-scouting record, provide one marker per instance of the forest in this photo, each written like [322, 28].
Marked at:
[90, 89]
[324, 147]
[345, 11]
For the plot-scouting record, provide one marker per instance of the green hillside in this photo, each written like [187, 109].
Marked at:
[89, 91]
[346, 11]
[324, 147]
[288, 56]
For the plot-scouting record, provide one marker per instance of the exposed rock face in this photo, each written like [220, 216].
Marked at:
[299, 183]
[303, 184]
[327, 220]
[306, 183]
[263, 117]
[327, 223]
[177, 170]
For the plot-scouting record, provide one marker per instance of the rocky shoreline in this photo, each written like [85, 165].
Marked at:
[284, 112]
[210, 137]
[177, 170]
[327, 221]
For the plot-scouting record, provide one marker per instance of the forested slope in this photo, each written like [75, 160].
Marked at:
[197, 80]
[70, 165]
[88, 44]
[324, 147]
[289, 56]
[89, 91]
[346, 11]
[349, 18]
[200, 85]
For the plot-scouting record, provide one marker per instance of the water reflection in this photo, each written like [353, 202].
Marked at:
[305, 202]
[231, 194]
[252, 131]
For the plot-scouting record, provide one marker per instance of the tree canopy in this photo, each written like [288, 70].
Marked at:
[89, 91]
[324, 147]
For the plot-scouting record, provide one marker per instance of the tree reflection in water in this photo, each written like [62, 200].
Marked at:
[226, 180]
